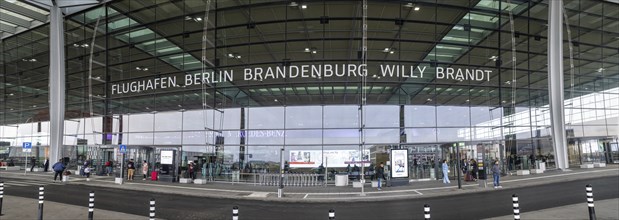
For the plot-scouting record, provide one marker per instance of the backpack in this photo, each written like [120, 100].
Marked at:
[107, 163]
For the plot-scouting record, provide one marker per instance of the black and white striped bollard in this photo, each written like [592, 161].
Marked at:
[152, 209]
[235, 213]
[516, 206]
[41, 193]
[426, 212]
[1, 195]
[331, 214]
[590, 202]
[91, 205]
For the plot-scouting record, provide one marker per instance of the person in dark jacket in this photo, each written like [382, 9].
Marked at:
[130, 169]
[58, 168]
[380, 174]
[33, 161]
[474, 169]
[46, 165]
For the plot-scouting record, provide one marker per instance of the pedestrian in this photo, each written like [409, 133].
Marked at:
[46, 165]
[474, 169]
[33, 161]
[130, 169]
[58, 168]
[496, 173]
[109, 166]
[87, 172]
[380, 174]
[445, 172]
[191, 170]
[144, 169]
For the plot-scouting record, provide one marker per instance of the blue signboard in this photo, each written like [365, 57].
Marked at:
[123, 149]
[27, 147]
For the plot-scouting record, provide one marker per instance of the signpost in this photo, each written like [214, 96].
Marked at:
[26, 148]
[122, 149]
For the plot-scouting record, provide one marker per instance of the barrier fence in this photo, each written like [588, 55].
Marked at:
[292, 180]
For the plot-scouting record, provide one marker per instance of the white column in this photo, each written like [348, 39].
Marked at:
[56, 82]
[555, 81]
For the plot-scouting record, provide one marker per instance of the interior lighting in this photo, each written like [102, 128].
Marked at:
[601, 69]
[303, 6]
[416, 8]
[141, 68]
[429, 100]
[314, 51]
[307, 50]
[493, 58]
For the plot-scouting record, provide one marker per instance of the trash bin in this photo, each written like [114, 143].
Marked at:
[341, 180]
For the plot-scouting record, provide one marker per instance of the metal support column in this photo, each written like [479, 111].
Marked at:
[56, 81]
[555, 82]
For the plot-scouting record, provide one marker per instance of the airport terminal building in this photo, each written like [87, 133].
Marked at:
[255, 86]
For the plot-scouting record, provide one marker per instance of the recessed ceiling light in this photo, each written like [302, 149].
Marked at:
[307, 49]
[416, 9]
[303, 6]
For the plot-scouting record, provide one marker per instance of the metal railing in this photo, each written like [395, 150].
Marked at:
[291, 179]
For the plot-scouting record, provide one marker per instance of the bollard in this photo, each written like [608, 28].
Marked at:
[426, 212]
[91, 205]
[516, 207]
[41, 193]
[590, 202]
[1, 195]
[152, 209]
[235, 213]
[331, 214]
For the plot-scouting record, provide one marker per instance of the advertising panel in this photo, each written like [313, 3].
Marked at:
[399, 163]
[334, 158]
[167, 157]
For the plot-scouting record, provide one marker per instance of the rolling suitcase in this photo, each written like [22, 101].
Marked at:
[153, 175]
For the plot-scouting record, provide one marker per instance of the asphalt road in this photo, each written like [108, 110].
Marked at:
[490, 203]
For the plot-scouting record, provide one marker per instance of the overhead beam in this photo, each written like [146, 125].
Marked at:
[7, 28]
[23, 11]
[15, 20]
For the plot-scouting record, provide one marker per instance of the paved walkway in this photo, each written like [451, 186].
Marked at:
[604, 209]
[24, 208]
[326, 193]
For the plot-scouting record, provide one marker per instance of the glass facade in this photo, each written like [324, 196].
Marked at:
[235, 82]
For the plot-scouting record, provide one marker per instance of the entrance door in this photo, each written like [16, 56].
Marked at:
[423, 160]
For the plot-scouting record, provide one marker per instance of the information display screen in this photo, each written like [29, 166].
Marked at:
[167, 157]
[334, 158]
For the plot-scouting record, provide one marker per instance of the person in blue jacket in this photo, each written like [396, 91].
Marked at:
[445, 172]
[58, 168]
